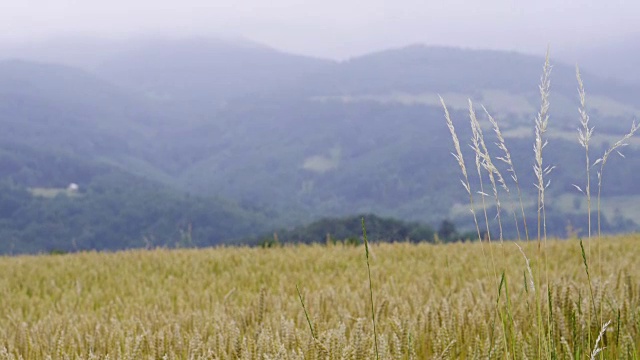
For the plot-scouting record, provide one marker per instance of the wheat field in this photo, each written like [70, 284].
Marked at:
[430, 301]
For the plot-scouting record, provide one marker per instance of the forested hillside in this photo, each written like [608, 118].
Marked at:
[247, 139]
[349, 230]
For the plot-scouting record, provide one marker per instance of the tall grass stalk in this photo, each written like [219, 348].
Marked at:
[479, 161]
[540, 171]
[528, 264]
[465, 179]
[373, 312]
[483, 153]
[586, 269]
[475, 145]
[506, 158]
[508, 323]
[502, 316]
[306, 314]
[584, 136]
[476, 138]
[550, 339]
[602, 161]
[487, 164]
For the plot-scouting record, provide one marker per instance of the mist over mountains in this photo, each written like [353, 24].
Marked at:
[615, 59]
[206, 141]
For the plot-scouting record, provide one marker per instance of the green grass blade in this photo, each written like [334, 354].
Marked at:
[373, 313]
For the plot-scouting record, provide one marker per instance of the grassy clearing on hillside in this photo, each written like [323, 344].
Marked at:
[431, 301]
[52, 192]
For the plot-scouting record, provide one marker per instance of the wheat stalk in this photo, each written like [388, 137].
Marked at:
[596, 349]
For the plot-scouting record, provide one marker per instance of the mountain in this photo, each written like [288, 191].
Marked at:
[63, 125]
[368, 135]
[71, 111]
[415, 74]
[205, 73]
[419, 67]
[281, 140]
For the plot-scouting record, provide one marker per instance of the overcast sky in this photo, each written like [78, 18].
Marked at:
[332, 28]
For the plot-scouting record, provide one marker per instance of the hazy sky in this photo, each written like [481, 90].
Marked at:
[332, 28]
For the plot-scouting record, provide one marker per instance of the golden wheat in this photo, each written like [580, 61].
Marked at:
[432, 301]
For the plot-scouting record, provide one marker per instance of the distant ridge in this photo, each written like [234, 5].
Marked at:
[293, 139]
